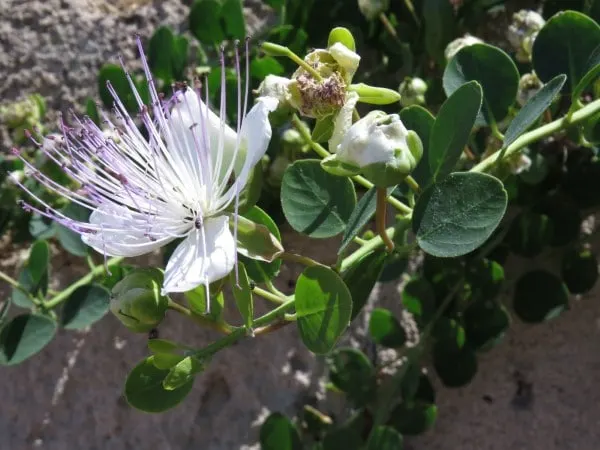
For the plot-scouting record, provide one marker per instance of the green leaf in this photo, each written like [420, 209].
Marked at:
[91, 110]
[417, 412]
[385, 438]
[41, 227]
[361, 215]
[197, 300]
[23, 336]
[70, 240]
[261, 67]
[533, 109]
[205, 21]
[323, 308]
[439, 27]
[493, 69]
[255, 241]
[144, 388]
[351, 372]
[243, 294]
[385, 329]
[19, 298]
[539, 296]
[85, 306]
[592, 71]
[278, 433]
[485, 278]
[182, 373]
[232, 15]
[39, 258]
[486, 322]
[165, 346]
[323, 129]
[455, 367]
[457, 215]
[315, 202]
[564, 45]
[115, 75]
[418, 297]
[260, 271]
[160, 53]
[579, 270]
[452, 128]
[421, 121]
[361, 278]
[530, 233]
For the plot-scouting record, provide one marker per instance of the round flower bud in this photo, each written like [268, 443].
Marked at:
[412, 91]
[372, 8]
[137, 302]
[529, 85]
[458, 44]
[380, 147]
[522, 33]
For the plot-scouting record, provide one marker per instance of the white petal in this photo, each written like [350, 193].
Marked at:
[346, 58]
[343, 121]
[206, 255]
[255, 136]
[121, 234]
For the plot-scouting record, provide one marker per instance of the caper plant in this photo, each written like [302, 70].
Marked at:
[181, 174]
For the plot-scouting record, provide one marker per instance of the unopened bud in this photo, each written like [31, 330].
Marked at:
[372, 8]
[529, 85]
[380, 147]
[374, 95]
[522, 32]
[458, 44]
[412, 91]
[137, 302]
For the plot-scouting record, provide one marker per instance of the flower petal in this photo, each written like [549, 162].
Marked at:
[120, 233]
[206, 255]
[343, 121]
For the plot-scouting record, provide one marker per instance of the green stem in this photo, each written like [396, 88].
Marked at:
[369, 246]
[280, 50]
[380, 217]
[271, 287]
[495, 131]
[539, 133]
[412, 184]
[64, 294]
[294, 257]
[323, 153]
[230, 339]
[269, 296]
[276, 313]
[15, 284]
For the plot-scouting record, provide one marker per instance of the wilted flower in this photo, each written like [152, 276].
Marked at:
[412, 91]
[183, 181]
[379, 146]
[458, 44]
[372, 8]
[529, 85]
[522, 33]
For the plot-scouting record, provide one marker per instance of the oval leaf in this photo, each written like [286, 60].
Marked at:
[315, 202]
[564, 45]
[278, 433]
[39, 257]
[452, 128]
[385, 329]
[260, 271]
[539, 296]
[533, 109]
[24, 336]
[421, 121]
[493, 69]
[385, 438]
[454, 217]
[243, 294]
[323, 308]
[85, 306]
[579, 270]
[351, 372]
[144, 388]
[205, 21]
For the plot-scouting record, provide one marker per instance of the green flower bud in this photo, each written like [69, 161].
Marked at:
[458, 44]
[374, 95]
[412, 91]
[372, 8]
[25, 113]
[522, 33]
[380, 147]
[137, 302]
[529, 85]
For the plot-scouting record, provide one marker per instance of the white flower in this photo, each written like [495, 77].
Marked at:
[458, 44]
[529, 85]
[182, 181]
[522, 33]
[346, 59]
[378, 145]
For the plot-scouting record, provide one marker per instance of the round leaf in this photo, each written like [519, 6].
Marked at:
[205, 21]
[39, 258]
[539, 296]
[413, 418]
[455, 367]
[421, 121]
[352, 372]
[24, 336]
[579, 270]
[385, 438]
[486, 322]
[323, 308]
[278, 433]
[85, 306]
[315, 202]
[385, 329]
[144, 388]
[457, 215]
[493, 69]
[564, 45]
